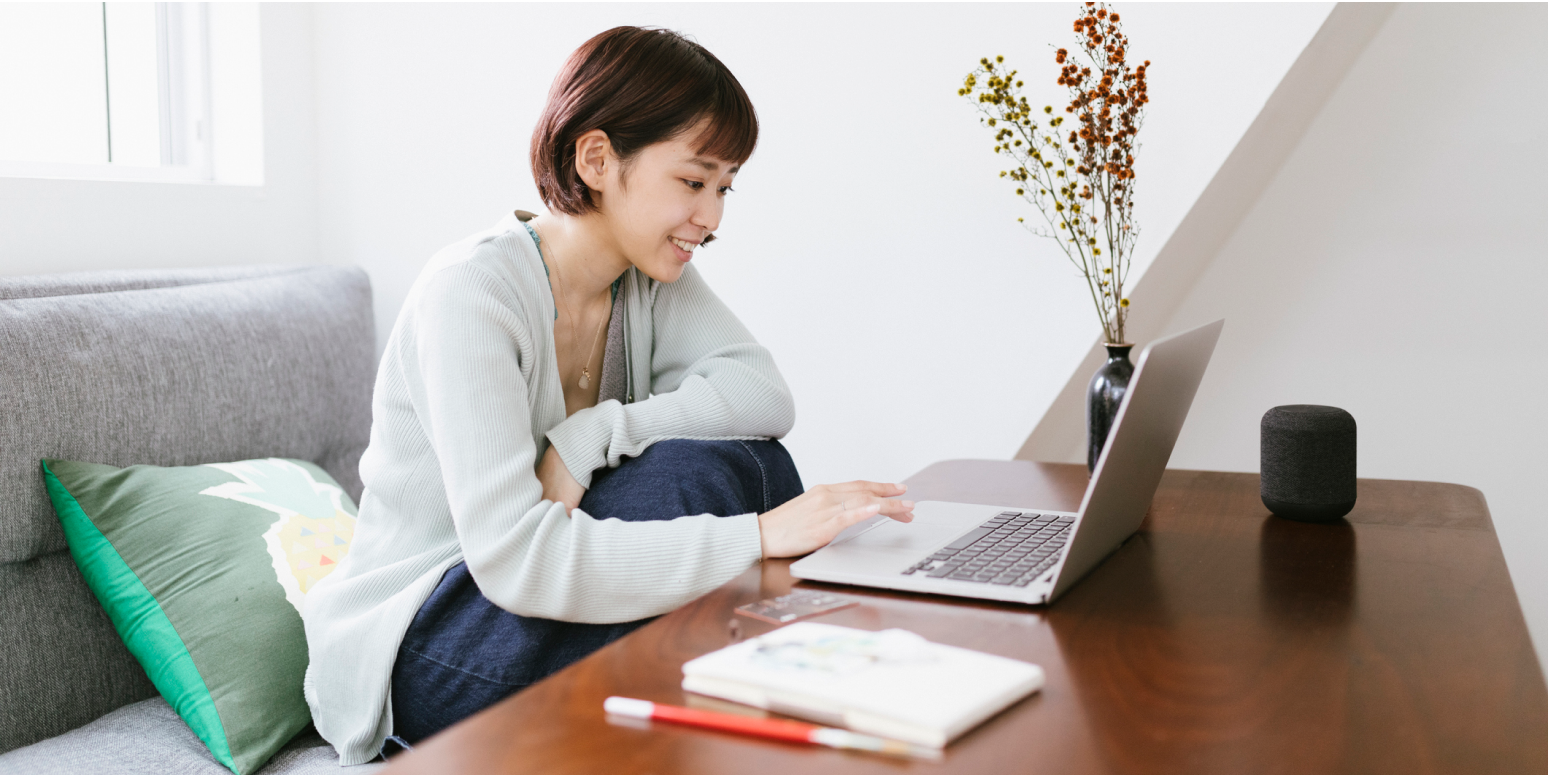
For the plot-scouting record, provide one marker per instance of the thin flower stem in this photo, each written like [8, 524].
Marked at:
[1082, 185]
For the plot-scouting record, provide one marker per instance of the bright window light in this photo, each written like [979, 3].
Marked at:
[131, 91]
[133, 81]
[53, 89]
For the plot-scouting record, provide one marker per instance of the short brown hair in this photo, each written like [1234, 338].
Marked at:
[640, 86]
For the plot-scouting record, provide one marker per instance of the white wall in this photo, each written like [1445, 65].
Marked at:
[869, 244]
[68, 225]
[1392, 268]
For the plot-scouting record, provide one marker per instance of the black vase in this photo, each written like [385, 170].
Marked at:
[1108, 386]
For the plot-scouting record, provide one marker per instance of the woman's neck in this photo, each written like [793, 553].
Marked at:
[588, 259]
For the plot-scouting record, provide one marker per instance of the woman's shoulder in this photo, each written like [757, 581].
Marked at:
[500, 261]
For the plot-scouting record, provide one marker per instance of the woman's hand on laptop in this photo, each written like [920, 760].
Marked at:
[810, 520]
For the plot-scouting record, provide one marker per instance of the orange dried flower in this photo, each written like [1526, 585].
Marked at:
[1092, 160]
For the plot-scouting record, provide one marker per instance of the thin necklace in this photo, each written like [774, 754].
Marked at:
[585, 377]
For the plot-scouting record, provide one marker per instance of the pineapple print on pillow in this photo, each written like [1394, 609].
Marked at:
[312, 528]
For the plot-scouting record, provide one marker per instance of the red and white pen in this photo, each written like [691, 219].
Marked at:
[774, 729]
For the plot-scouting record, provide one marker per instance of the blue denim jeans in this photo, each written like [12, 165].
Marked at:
[463, 653]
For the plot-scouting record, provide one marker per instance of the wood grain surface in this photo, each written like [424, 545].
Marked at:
[1218, 639]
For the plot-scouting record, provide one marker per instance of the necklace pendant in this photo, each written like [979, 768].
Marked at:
[585, 380]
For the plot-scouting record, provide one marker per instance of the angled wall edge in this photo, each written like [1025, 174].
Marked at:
[1060, 436]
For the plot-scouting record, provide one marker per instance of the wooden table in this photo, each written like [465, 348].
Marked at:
[1217, 639]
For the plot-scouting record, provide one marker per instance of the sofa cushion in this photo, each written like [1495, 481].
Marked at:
[167, 367]
[148, 738]
[61, 663]
[202, 570]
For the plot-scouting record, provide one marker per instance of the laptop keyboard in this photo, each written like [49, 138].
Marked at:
[1013, 549]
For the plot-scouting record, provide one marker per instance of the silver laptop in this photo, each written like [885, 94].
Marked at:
[1031, 555]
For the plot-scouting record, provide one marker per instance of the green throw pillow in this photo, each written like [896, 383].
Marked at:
[203, 570]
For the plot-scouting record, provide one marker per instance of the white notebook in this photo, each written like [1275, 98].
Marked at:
[892, 683]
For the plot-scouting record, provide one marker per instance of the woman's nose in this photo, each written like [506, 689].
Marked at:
[707, 215]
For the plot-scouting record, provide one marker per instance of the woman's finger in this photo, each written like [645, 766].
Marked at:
[850, 516]
[858, 508]
[900, 510]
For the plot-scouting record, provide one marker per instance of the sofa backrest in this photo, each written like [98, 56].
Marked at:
[169, 368]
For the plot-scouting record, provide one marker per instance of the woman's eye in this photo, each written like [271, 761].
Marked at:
[726, 190]
[694, 184]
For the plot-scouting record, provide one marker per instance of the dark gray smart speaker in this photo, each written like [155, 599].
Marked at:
[1308, 462]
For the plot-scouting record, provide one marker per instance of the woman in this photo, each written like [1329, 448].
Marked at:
[532, 493]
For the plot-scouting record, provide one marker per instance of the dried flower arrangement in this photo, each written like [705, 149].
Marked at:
[1082, 179]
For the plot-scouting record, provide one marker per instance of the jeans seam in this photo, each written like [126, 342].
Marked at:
[761, 473]
[428, 658]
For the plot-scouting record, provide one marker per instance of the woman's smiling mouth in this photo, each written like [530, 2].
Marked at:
[684, 248]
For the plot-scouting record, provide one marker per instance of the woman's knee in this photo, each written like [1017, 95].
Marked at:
[678, 477]
[779, 479]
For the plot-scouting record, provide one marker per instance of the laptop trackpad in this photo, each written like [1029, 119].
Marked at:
[918, 537]
[886, 546]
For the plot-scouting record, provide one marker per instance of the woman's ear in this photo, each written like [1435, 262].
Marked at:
[593, 155]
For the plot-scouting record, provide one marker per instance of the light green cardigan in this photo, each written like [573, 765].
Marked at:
[467, 399]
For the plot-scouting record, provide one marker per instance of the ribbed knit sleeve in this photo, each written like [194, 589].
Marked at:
[526, 554]
[709, 379]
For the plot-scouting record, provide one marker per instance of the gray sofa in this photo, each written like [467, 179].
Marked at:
[171, 368]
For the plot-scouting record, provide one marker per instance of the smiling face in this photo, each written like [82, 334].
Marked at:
[669, 200]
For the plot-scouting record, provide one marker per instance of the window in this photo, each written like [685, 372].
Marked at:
[131, 91]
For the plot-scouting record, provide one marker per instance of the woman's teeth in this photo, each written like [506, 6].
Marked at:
[687, 246]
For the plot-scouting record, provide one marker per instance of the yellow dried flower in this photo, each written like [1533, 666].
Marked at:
[1108, 105]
